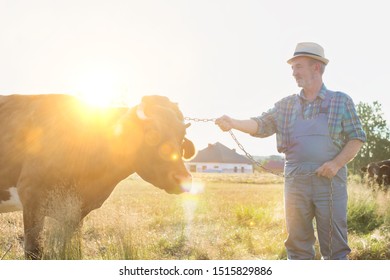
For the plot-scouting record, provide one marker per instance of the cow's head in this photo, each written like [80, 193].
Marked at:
[160, 159]
[372, 169]
[383, 175]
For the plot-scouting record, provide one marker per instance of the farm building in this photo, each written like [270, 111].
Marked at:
[217, 158]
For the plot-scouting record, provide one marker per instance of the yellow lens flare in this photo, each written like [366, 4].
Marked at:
[167, 152]
[193, 188]
[190, 200]
[118, 129]
[174, 157]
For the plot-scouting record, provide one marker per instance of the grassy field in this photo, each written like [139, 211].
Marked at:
[227, 217]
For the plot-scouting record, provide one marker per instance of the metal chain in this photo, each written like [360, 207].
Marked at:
[331, 219]
[199, 119]
[9, 249]
[248, 155]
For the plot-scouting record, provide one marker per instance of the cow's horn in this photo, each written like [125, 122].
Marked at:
[140, 112]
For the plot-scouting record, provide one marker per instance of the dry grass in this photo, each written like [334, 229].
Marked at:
[150, 224]
[228, 217]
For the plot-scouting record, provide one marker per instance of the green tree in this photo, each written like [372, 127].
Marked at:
[374, 124]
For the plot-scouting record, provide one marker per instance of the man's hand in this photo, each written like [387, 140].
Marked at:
[329, 169]
[225, 123]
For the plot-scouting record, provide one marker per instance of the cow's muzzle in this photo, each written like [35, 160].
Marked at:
[183, 182]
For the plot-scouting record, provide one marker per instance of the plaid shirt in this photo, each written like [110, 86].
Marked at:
[343, 121]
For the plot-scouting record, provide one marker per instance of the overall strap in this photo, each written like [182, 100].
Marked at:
[298, 106]
[324, 109]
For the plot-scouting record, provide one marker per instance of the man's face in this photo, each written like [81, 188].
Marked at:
[303, 70]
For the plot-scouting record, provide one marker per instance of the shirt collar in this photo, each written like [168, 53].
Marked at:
[321, 94]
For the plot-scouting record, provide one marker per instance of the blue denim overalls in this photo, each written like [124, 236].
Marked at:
[308, 196]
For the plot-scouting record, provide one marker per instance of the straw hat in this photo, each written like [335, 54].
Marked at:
[309, 49]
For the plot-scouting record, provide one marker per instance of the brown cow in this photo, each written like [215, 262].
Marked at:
[53, 143]
[376, 170]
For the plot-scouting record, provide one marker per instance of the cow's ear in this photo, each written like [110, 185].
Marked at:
[188, 149]
[364, 169]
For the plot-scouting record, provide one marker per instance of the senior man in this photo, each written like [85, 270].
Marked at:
[319, 132]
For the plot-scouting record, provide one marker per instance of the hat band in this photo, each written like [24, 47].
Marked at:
[309, 53]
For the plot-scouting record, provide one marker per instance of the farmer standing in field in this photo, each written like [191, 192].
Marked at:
[319, 132]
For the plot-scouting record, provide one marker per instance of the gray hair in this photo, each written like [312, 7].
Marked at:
[321, 64]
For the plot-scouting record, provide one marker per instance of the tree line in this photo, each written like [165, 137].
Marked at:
[377, 146]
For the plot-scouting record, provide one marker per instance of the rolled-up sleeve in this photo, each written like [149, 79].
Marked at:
[351, 123]
[266, 124]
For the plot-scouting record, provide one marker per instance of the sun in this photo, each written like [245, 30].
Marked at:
[99, 89]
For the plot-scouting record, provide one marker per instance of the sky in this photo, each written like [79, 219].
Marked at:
[212, 57]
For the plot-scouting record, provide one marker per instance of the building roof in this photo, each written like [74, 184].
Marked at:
[221, 154]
